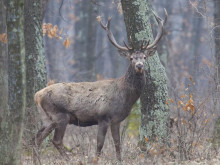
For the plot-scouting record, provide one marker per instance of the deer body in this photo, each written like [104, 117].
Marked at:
[87, 103]
[104, 103]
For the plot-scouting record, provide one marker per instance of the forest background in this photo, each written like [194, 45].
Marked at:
[61, 41]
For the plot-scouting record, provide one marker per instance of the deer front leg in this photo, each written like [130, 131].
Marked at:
[115, 129]
[102, 130]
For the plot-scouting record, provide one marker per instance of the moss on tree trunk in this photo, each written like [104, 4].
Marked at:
[154, 112]
[3, 84]
[12, 128]
[3, 67]
[35, 62]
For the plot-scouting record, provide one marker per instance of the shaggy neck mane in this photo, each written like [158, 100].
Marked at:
[134, 82]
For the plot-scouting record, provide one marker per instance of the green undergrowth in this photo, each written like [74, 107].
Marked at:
[134, 121]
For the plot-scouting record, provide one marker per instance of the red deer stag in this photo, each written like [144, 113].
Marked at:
[104, 103]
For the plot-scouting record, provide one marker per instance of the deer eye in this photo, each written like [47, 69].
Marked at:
[131, 58]
[145, 57]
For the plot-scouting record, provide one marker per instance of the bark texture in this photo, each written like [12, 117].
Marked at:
[3, 66]
[217, 74]
[154, 112]
[3, 83]
[12, 128]
[35, 61]
[217, 39]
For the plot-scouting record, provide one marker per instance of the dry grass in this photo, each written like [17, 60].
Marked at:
[191, 140]
[82, 142]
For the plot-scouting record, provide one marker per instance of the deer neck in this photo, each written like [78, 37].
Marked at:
[134, 82]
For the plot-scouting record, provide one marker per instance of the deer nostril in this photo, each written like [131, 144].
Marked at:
[139, 66]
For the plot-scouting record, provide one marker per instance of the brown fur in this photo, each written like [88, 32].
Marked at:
[104, 103]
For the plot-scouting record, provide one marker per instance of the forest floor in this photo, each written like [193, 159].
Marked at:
[82, 143]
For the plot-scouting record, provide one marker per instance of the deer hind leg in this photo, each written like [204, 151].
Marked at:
[37, 135]
[59, 133]
[44, 132]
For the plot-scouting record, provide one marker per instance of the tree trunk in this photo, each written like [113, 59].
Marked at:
[193, 64]
[3, 84]
[217, 74]
[217, 40]
[13, 125]
[85, 41]
[154, 112]
[35, 62]
[3, 66]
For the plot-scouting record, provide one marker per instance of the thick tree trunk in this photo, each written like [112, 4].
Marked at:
[3, 84]
[35, 62]
[13, 125]
[154, 112]
[85, 41]
[3, 66]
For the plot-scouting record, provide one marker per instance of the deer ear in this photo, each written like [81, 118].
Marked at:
[123, 53]
[151, 51]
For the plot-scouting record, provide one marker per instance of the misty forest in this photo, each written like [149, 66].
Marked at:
[130, 82]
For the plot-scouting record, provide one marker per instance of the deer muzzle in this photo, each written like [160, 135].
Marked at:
[139, 67]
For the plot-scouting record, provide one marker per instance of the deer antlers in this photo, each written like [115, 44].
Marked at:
[143, 45]
[112, 38]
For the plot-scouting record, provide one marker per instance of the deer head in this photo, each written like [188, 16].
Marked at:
[137, 57]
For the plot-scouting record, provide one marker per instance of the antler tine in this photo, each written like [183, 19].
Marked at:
[145, 46]
[142, 44]
[129, 48]
[110, 35]
[131, 42]
[160, 29]
[107, 24]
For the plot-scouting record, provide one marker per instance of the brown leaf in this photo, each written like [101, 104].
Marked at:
[66, 43]
[95, 160]
[146, 139]
[141, 156]
[3, 38]
[183, 121]
[60, 32]
[99, 19]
